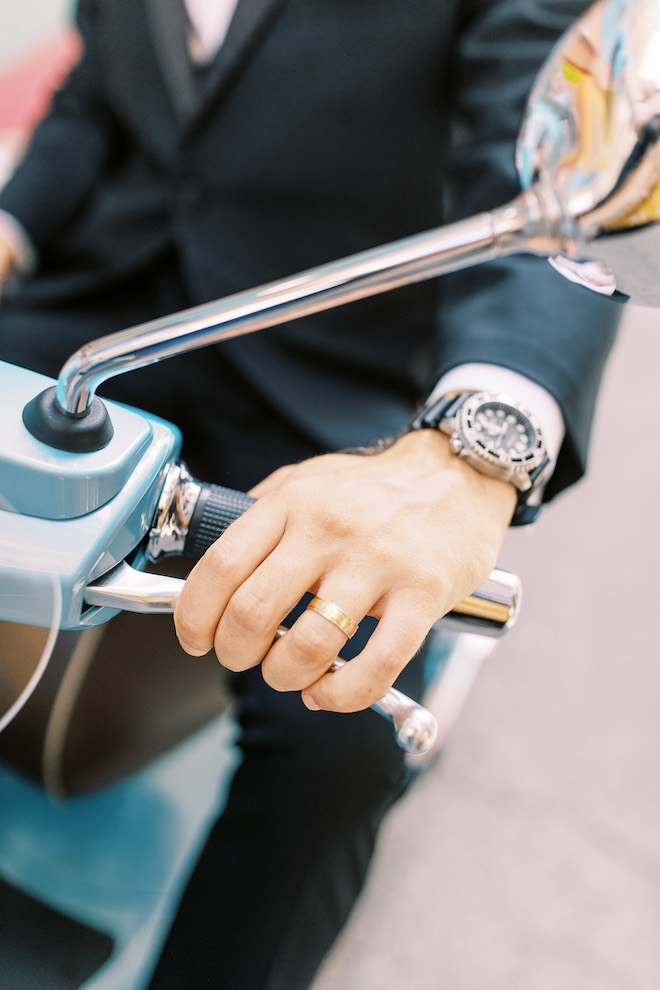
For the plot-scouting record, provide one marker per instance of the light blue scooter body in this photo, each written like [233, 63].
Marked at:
[67, 518]
[114, 860]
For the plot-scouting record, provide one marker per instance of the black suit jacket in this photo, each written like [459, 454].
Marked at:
[324, 127]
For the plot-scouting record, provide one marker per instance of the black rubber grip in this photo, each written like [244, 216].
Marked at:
[216, 508]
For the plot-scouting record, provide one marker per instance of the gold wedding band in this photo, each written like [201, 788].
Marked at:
[335, 614]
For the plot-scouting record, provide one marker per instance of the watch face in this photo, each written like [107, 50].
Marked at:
[500, 431]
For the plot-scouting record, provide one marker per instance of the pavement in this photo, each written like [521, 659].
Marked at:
[527, 857]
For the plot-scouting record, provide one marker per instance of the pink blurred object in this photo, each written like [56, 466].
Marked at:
[26, 87]
[27, 82]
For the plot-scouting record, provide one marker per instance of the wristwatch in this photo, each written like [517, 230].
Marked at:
[498, 437]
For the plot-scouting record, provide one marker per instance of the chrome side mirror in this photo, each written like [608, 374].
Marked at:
[590, 147]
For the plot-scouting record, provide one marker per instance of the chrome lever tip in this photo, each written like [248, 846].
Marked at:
[418, 732]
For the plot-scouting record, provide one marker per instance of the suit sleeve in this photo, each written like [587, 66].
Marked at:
[68, 149]
[517, 312]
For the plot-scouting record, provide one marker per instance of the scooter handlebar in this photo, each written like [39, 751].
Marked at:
[192, 515]
[215, 509]
[415, 728]
[490, 610]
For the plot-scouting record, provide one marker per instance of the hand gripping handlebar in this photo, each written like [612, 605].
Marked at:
[191, 515]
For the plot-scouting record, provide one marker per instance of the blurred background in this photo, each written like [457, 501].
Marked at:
[24, 25]
[527, 856]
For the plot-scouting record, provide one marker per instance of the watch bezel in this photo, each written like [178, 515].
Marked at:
[498, 459]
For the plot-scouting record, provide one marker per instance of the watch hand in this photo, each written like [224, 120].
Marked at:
[499, 438]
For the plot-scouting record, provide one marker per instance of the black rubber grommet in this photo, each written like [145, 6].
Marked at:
[46, 420]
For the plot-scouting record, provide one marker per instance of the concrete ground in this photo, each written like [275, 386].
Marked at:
[528, 856]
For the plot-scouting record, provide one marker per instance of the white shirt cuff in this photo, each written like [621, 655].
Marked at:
[503, 381]
[17, 238]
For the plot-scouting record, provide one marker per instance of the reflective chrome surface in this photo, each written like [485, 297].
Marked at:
[589, 161]
[173, 514]
[131, 590]
[480, 238]
[491, 610]
[591, 139]
[414, 727]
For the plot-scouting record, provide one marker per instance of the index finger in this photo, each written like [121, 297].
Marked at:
[224, 567]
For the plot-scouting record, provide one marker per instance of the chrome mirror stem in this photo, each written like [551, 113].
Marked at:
[519, 226]
[588, 156]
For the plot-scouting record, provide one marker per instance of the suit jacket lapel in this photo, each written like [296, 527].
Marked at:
[169, 27]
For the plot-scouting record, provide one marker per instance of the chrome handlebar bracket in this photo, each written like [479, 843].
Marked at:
[173, 513]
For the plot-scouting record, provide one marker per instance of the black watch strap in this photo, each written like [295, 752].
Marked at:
[445, 408]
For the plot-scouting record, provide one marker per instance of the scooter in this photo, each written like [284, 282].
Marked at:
[98, 488]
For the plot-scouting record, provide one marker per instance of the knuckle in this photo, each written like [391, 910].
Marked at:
[482, 554]
[221, 557]
[422, 591]
[249, 611]
[390, 665]
[435, 587]
[304, 654]
[309, 644]
[334, 523]
[331, 521]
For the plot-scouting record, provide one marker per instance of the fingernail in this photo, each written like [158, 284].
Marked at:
[309, 702]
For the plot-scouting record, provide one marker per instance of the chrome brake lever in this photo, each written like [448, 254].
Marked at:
[131, 590]
[415, 728]
[125, 588]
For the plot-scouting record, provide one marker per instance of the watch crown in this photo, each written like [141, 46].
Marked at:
[455, 443]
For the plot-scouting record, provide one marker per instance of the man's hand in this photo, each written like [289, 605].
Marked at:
[403, 535]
